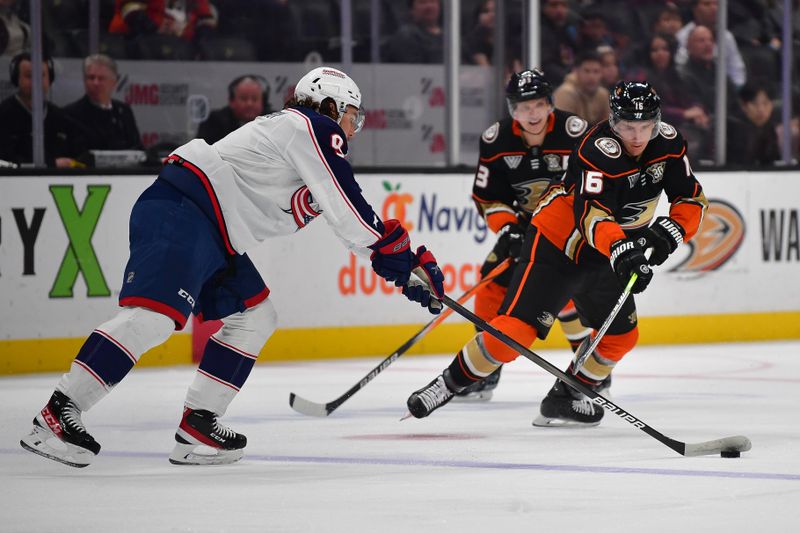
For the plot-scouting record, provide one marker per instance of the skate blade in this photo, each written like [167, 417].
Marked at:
[542, 421]
[184, 454]
[473, 397]
[44, 443]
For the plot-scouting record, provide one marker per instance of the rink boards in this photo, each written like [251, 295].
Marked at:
[63, 247]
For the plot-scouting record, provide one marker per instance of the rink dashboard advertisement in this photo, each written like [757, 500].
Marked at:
[64, 245]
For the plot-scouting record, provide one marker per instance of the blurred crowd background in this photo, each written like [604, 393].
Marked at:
[586, 47]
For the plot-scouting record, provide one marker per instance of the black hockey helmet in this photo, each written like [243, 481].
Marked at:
[527, 85]
[634, 100]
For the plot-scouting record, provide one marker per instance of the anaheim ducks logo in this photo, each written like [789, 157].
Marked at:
[608, 146]
[490, 135]
[529, 192]
[719, 238]
[575, 126]
[667, 131]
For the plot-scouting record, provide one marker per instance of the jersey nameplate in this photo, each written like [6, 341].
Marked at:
[609, 147]
[490, 135]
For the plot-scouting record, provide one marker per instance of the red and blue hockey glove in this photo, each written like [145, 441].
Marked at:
[392, 258]
[428, 290]
[627, 258]
[663, 236]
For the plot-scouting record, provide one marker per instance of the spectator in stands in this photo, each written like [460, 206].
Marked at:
[593, 30]
[273, 27]
[421, 40]
[758, 36]
[752, 134]
[14, 34]
[609, 66]
[705, 14]
[699, 71]
[679, 107]
[559, 33]
[63, 142]
[248, 97]
[478, 44]
[108, 124]
[582, 92]
[668, 21]
[191, 21]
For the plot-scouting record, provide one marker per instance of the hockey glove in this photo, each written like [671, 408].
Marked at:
[509, 244]
[663, 236]
[627, 258]
[428, 290]
[392, 258]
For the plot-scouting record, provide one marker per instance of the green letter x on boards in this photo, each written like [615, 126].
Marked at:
[80, 226]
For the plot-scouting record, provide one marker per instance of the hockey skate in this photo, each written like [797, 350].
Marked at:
[429, 398]
[58, 434]
[200, 429]
[564, 406]
[480, 391]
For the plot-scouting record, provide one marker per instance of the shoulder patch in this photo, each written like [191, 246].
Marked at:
[667, 131]
[490, 135]
[609, 147]
[575, 126]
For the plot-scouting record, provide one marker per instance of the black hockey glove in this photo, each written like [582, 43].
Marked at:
[428, 290]
[509, 244]
[663, 236]
[627, 258]
[392, 258]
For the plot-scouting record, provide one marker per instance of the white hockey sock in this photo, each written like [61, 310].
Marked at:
[229, 356]
[111, 351]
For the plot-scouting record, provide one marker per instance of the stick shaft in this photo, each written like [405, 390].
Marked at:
[679, 447]
[607, 324]
[314, 409]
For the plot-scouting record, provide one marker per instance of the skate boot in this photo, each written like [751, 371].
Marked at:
[200, 428]
[429, 398]
[480, 391]
[604, 388]
[565, 406]
[58, 434]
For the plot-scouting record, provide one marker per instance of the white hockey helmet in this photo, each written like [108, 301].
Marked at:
[328, 82]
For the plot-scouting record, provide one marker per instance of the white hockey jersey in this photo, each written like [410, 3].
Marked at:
[273, 176]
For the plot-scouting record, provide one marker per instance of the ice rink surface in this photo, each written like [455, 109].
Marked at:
[467, 468]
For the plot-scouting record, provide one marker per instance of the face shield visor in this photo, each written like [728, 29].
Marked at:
[624, 128]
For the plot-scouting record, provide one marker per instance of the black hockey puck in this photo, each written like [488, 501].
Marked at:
[730, 453]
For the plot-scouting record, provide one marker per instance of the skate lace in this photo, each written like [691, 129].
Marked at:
[435, 395]
[223, 430]
[584, 407]
[71, 416]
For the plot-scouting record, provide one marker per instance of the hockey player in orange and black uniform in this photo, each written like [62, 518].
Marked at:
[519, 157]
[587, 237]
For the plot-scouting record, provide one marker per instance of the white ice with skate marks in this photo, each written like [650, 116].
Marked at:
[467, 467]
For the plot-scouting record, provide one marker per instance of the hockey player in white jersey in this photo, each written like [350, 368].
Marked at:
[189, 234]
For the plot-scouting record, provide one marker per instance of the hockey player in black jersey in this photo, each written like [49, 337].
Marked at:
[587, 237]
[519, 156]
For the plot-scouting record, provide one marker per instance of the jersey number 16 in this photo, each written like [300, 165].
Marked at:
[592, 182]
